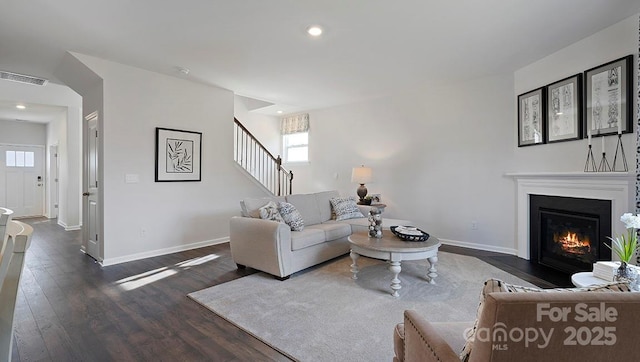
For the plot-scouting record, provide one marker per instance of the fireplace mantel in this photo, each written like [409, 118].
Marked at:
[619, 187]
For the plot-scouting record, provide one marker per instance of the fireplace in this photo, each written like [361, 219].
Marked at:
[569, 234]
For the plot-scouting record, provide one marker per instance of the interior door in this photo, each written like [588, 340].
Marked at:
[22, 179]
[91, 210]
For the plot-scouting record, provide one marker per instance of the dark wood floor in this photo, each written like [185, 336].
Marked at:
[71, 309]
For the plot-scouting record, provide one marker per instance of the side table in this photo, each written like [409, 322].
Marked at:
[585, 279]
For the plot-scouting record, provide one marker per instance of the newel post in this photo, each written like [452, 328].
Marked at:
[279, 165]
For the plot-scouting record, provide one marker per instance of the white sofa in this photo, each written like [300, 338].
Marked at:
[273, 248]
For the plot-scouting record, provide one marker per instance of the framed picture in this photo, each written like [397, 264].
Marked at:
[178, 155]
[564, 109]
[531, 117]
[375, 198]
[608, 98]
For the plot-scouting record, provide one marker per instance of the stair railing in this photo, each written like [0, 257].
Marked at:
[254, 158]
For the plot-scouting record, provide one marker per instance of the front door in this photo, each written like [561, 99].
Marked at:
[22, 179]
[91, 210]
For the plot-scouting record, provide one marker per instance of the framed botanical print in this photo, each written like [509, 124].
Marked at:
[564, 109]
[531, 117]
[608, 98]
[178, 155]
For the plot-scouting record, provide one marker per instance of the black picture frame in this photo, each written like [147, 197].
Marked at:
[608, 98]
[564, 110]
[178, 155]
[532, 114]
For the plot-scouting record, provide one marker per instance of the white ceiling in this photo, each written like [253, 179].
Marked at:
[39, 113]
[259, 48]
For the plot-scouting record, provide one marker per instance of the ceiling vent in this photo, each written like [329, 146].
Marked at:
[21, 78]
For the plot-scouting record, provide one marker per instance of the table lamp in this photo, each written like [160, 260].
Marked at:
[361, 175]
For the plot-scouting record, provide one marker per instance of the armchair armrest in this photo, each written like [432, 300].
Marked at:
[261, 244]
[422, 342]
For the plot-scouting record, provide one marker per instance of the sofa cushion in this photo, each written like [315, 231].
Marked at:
[270, 212]
[324, 204]
[251, 206]
[307, 237]
[333, 231]
[291, 216]
[307, 206]
[496, 285]
[345, 208]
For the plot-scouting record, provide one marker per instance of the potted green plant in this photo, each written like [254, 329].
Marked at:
[625, 245]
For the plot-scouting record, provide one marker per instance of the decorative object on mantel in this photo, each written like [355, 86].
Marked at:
[590, 165]
[604, 164]
[625, 246]
[623, 158]
[375, 223]
[361, 175]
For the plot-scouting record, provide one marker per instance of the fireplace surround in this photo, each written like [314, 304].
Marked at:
[617, 187]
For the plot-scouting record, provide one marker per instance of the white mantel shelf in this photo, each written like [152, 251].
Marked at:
[618, 187]
[569, 175]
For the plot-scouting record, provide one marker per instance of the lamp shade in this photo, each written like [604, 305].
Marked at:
[361, 175]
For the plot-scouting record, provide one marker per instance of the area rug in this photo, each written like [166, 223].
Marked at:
[322, 314]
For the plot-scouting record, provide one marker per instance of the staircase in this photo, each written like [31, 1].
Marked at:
[254, 158]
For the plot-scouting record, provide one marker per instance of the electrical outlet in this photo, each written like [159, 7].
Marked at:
[143, 232]
[474, 225]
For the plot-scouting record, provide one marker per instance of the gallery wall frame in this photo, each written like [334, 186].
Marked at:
[608, 105]
[178, 155]
[564, 110]
[532, 117]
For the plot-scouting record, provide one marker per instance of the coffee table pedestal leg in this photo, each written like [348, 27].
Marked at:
[395, 282]
[432, 274]
[354, 265]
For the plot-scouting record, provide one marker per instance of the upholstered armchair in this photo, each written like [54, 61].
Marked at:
[555, 326]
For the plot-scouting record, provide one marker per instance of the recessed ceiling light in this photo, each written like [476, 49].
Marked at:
[279, 112]
[21, 106]
[314, 30]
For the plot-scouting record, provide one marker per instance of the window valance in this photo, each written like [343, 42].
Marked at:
[295, 124]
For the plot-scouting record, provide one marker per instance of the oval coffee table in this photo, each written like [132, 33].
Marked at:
[394, 250]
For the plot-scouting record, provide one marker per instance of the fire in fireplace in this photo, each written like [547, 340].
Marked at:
[573, 244]
[568, 234]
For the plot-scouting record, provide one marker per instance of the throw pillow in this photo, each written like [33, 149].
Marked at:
[496, 285]
[345, 208]
[270, 212]
[291, 216]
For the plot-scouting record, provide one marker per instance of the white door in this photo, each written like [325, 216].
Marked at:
[91, 211]
[22, 179]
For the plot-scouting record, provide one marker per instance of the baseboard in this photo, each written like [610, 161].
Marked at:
[69, 227]
[158, 252]
[476, 246]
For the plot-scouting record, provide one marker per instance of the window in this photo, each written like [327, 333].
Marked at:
[19, 159]
[296, 147]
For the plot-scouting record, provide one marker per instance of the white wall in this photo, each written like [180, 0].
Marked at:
[265, 128]
[22, 133]
[614, 42]
[439, 156]
[174, 215]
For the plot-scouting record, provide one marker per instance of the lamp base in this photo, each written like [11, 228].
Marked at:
[362, 192]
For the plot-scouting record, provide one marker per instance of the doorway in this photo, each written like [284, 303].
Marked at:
[22, 179]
